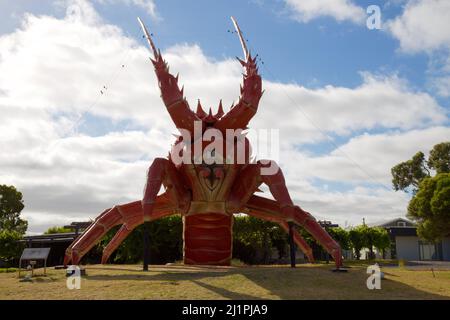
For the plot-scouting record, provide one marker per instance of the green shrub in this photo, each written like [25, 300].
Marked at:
[166, 243]
[10, 247]
[8, 270]
[55, 229]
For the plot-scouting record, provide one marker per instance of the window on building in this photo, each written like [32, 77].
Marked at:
[401, 223]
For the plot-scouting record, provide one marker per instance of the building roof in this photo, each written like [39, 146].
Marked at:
[54, 237]
[394, 223]
[79, 225]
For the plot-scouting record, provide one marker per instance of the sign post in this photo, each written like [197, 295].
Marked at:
[33, 254]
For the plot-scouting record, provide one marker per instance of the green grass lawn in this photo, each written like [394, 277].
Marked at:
[256, 282]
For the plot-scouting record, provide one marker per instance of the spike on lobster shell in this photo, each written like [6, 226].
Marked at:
[200, 113]
[210, 118]
[220, 112]
[243, 63]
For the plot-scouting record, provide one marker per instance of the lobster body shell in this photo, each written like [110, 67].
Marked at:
[208, 226]
[208, 238]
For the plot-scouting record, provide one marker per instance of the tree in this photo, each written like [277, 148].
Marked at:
[11, 204]
[166, 242]
[429, 206]
[368, 236]
[407, 175]
[341, 236]
[364, 236]
[10, 247]
[53, 230]
[253, 239]
[279, 240]
[439, 158]
[382, 240]
[357, 241]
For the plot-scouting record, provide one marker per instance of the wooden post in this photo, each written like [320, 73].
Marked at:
[146, 246]
[292, 244]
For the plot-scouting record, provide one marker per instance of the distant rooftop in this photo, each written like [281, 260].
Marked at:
[79, 225]
[54, 237]
[397, 222]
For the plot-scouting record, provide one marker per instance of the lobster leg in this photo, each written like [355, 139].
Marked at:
[127, 228]
[108, 219]
[120, 236]
[272, 209]
[298, 239]
[130, 214]
[163, 172]
[68, 252]
[249, 181]
[300, 242]
[250, 178]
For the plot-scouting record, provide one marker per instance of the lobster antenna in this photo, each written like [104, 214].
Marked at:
[241, 38]
[149, 39]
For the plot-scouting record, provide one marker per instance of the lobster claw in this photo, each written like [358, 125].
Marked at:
[171, 94]
[241, 38]
[156, 53]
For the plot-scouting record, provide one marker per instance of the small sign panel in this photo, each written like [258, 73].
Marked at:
[35, 253]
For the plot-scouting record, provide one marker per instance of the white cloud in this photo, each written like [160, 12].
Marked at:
[69, 176]
[379, 102]
[148, 5]
[423, 26]
[374, 153]
[442, 85]
[341, 10]
[350, 207]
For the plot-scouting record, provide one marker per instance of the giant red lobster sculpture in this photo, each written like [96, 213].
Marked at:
[206, 194]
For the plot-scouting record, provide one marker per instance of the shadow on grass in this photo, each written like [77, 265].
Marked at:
[159, 276]
[316, 282]
[166, 268]
[225, 293]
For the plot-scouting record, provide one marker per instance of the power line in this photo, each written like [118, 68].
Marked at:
[330, 140]
[103, 90]
[323, 132]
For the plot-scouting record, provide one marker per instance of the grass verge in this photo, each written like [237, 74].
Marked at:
[178, 281]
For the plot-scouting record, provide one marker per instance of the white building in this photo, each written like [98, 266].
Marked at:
[405, 244]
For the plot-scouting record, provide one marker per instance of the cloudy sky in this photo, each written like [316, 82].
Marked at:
[349, 102]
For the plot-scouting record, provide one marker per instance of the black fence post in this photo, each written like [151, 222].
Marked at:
[292, 244]
[146, 246]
